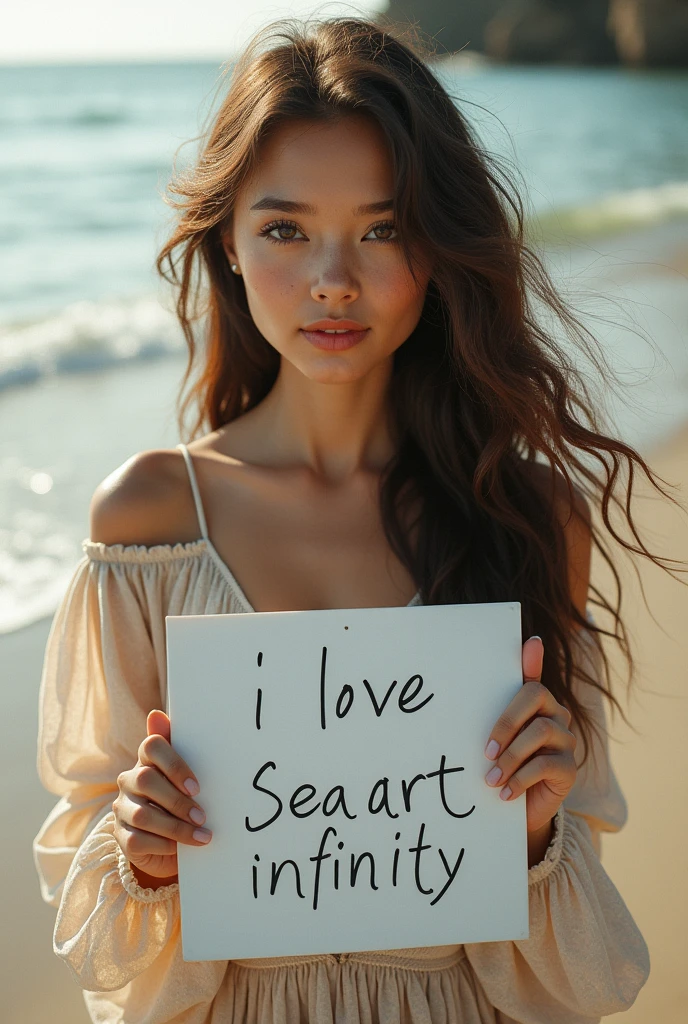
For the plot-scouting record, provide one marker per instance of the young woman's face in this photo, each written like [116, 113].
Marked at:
[334, 260]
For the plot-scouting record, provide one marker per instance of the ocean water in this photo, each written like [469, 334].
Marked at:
[90, 355]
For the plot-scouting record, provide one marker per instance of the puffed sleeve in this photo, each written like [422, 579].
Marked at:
[100, 679]
[585, 957]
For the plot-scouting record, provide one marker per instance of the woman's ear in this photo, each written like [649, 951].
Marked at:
[228, 246]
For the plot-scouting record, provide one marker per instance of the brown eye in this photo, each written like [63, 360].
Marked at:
[280, 226]
[384, 226]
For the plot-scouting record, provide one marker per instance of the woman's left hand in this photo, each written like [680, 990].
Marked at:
[532, 746]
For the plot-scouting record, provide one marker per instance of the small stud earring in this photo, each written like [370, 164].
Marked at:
[235, 267]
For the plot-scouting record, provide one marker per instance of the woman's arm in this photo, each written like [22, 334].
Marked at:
[100, 680]
[99, 677]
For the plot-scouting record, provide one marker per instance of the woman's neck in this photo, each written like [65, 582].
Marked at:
[335, 430]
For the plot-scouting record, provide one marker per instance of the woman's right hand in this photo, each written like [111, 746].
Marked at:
[153, 810]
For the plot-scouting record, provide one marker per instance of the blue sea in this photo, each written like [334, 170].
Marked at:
[91, 357]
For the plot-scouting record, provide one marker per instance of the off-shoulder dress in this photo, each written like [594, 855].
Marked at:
[103, 671]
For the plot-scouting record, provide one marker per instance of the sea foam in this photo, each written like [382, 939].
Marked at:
[87, 335]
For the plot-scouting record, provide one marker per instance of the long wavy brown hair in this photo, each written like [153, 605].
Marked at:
[479, 390]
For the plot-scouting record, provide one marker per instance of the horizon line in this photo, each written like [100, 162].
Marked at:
[91, 61]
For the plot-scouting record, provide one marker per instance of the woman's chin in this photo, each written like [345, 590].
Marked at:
[333, 367]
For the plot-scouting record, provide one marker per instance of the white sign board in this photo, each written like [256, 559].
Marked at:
[340, 755]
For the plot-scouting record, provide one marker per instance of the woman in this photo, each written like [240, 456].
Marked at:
[390, 423]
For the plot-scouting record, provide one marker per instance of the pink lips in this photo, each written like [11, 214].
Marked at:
[334, 342]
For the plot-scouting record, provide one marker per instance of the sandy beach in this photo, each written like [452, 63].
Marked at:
[645, 860]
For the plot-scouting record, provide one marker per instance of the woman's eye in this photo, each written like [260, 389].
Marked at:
[385, 226]
[280, 226]
[286, 231]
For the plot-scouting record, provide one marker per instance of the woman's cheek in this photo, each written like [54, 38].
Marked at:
[401, 297]
[271, 294]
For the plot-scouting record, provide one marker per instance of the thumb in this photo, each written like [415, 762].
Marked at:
[531, 659]
[158, 723]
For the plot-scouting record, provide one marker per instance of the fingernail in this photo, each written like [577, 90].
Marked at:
[494, 775]
[535, 638]
[492, 749]
[505, 793]
[202, 835]
[191, 787]
[197, 815]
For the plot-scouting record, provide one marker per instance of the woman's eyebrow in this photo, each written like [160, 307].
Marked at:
[293, 206]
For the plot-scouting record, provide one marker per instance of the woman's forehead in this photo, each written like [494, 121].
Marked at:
[346, 162]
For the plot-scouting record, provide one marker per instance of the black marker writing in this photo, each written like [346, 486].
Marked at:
[450, 871]
[335, 799]
[442, 772]
[259, 696]
[346, 696]
[261, 789]
[379, 708]
[300, 879]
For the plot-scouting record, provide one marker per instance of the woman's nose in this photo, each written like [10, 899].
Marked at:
[335, 281]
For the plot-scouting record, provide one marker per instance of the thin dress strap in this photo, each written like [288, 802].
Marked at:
[194, 487]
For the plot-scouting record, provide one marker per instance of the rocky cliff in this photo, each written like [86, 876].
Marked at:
[453, 24]
[534, 31]
[653, 33]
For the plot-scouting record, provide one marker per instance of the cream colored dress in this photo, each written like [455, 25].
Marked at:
[104, 670]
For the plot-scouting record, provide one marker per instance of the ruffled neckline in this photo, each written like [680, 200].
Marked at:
[97, 551]
[100, 552]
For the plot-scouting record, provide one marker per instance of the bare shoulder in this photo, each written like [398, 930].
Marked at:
[574, 516]
[147, 500]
